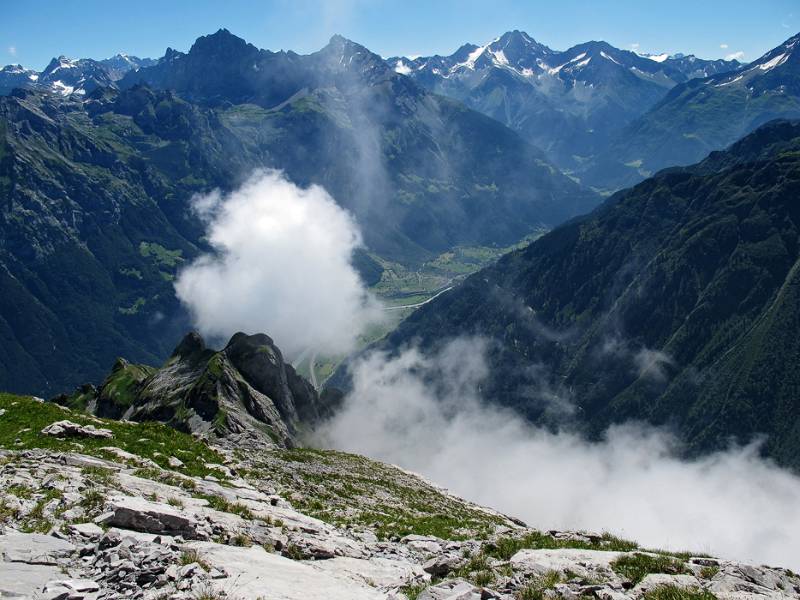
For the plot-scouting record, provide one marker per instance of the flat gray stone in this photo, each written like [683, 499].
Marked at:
[87, 530]
[21, 580]
[70, 429]
[34, 548]
[142, 515]
[454, 589]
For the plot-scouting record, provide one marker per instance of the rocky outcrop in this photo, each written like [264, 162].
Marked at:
[70, 429]
[82, 520]
[245, 391]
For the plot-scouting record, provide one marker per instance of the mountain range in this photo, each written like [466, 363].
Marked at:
[639, 310]
[569, 103]
[67, 76]
[675, 303]
[702, 115]
[96, 186]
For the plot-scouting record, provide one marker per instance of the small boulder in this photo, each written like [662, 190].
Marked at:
[454, 589]
[87, 530]
[70, 429]
[142, 515]
[439, 566]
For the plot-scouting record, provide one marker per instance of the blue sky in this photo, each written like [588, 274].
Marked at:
[33, 31]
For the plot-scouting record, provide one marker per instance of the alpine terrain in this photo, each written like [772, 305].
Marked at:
[674, 303]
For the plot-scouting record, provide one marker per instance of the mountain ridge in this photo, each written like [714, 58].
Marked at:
[96, 192]
[707, 114]
[569, 103]
[671, 303]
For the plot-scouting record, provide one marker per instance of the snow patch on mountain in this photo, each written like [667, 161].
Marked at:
[500, 57]
[402, 68]
[611, 58]
[659, 58]
[775, 62]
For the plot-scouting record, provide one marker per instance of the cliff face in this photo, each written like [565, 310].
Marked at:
[245, 390]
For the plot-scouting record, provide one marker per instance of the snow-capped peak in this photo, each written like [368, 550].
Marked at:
[659, 58]
[472, 58]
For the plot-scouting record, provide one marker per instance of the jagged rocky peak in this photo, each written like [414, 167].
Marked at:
[342, 54]
[222, 45]
[245, 390]
[518, 48]
[191, 344]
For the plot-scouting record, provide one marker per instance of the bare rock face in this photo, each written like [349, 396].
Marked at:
[70, 429]
[245, 391]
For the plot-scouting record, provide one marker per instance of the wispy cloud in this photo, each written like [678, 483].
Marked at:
[425, 412]
[12, 50]
[735, 55]
[635, 46]
[724, 46]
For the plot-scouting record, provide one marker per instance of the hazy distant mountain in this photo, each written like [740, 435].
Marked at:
[567, 103]
[16, 76]
[703, 115]
[119, 64]
[67, 76]
[421, 173]
[677, 302]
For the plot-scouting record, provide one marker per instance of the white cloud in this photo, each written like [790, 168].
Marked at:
[635, 46]
[735, 56]
[281, 266]
[425, 413]
[12, 50]
[652, 364]
[724, 46]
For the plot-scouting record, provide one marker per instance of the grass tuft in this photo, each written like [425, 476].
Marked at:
[672, 592]
[637, 566]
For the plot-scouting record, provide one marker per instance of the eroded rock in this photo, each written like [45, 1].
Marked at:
[70, 429]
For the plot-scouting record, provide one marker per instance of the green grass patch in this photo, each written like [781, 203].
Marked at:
[349, 490]
[637, 566]
[167, 478]
[99, 475]
[709, 572]
[221, 504]
[672, 592]
[160, 255]
[25, 418]
[122, 384]
[133, 308]
[412, 592]
[534, 590]
[505, 548]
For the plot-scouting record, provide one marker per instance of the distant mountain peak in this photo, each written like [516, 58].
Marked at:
[342, 46]
[342, 54]
[221, 44]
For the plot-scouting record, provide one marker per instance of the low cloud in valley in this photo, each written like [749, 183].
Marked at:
[425, 413]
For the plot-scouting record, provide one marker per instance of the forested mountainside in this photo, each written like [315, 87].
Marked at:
[677, 302]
